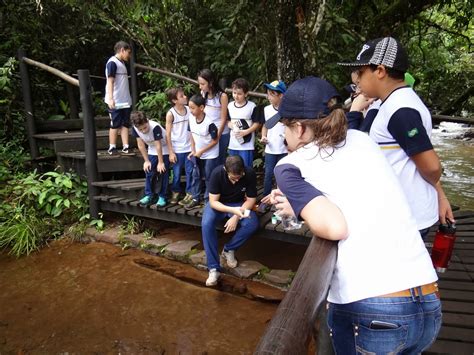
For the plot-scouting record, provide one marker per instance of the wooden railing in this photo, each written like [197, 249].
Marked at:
[85, 90]
[293, 324]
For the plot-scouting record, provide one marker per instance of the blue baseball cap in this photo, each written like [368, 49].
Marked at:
[276, 85]
[306, 98]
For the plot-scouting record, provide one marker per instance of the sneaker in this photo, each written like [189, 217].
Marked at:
[213, 277]
[229, 258]
[174, 198]
[192, 204]
[185, 200]
[112, 151]
[263, 208]
[126, 151]
[146, 200]
[161, 202]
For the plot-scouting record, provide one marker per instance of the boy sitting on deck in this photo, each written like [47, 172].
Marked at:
[243, 121]
[150, 133]
[178, 138]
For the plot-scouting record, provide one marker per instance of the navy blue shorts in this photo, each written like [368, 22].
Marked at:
[120, 118]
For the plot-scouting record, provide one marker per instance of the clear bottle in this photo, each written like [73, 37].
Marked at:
[443, 246]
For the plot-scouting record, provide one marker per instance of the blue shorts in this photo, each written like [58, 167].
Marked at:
[120, 118]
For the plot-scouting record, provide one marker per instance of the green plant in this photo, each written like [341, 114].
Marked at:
[54, 194]
[25, 232]
[148, 234]
[132, 225]
[77, 231]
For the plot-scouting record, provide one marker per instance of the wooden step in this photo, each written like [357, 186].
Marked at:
[101, 122]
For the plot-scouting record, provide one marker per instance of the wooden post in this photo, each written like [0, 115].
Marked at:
[133, 76]
[292, 325]
[74, 114]
[30, 118]
[90, 143]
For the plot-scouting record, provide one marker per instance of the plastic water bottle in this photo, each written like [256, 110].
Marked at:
[443, 246]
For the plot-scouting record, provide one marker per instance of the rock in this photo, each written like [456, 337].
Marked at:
[134, 239]
[107, 236]
[180, 249]
[247, 269]
[198, 258]
[155, 243]
[280, 277]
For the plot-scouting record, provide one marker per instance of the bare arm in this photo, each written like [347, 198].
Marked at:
[325, 219]
[428, 165]
[169, 126]
[224, 103]
[219, 206]
[444, 207]
[110, 90]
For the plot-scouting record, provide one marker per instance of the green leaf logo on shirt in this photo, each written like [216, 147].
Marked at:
[412, 133]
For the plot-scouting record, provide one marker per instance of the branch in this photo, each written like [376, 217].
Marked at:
[454, 33]
[319, 18]
[242, 45]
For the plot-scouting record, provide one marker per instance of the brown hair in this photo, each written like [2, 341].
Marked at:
[172, 94]
[241, 83]
[329, 131]
[138, 118]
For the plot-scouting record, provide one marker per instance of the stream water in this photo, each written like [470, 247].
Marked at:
[457, 158]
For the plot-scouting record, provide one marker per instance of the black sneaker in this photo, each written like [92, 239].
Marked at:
[112, 151]
[192, 204]
[125, 150]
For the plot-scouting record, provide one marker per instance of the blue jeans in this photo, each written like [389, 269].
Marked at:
[416, 321]
[424, 233]
[210, 217]
[201, 168]
[247, 156]
[182, 162]
[271, 161]
[155, 183]
[223, 145]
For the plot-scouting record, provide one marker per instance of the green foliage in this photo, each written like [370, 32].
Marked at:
[132, 225]
[12, 160]
[24, 231]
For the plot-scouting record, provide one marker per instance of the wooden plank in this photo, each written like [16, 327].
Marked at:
[116, 199]
[67, 135]
[70, 124]
[117, 182]
[458, 307]
[457, 334]
[458, 320]
[126, 201]
[463, 214]
[455, 276]
[455, 295]
[450, 347]
[456, 285]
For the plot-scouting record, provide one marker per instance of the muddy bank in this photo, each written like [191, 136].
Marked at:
[96, 298]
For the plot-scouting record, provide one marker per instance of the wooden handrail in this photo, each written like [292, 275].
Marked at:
[290, 329]
[52, 70]
[189, 80]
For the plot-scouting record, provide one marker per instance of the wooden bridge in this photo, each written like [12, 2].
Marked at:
[81, 145]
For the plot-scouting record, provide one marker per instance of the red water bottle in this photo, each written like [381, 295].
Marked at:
[443, 246]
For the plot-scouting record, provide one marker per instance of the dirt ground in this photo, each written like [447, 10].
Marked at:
[94, 298]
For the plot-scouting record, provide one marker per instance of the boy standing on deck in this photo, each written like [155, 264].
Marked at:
[117, 96]
[402, 128]
[273, 138]
[204, 149]
[243, 121]
[179, 143]
[150, 133]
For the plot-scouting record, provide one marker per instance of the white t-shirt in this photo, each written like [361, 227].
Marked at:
[421, 195]
[156, 132]
[203, 133]
[383, 252]
[213, 111]
[275, 135]
[121, 91]
[180, 135]
[242, 118]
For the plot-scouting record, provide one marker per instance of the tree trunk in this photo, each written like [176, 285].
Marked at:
[290, 62]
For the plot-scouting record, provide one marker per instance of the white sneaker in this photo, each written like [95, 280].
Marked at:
[229, 258]
[213, 277]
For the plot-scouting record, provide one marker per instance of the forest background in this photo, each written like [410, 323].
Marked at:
[258, 40]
